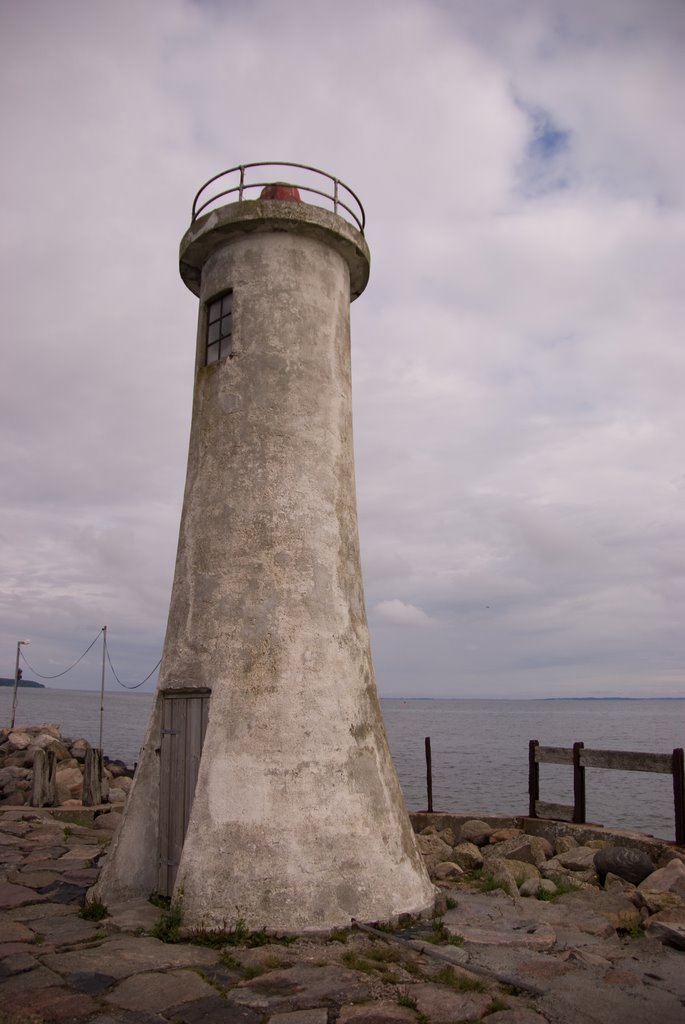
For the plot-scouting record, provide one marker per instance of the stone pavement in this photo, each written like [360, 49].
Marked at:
[566, 959]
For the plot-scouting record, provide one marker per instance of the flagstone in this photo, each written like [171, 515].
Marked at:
[157, 991]
[124, 955]
[17, 963]
[13, 931]
[215, 1010]
[52, 1004]
[445, 1006]
[29, 981]
[38, 911]
[90, 982]
[16, 895]
[36, 879]
[378, 1012]
[302, 987]
[62, 930]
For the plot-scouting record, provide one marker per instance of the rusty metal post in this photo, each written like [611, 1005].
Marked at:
[679, 794]
[533, 778]
[578, 785]
[429, 775]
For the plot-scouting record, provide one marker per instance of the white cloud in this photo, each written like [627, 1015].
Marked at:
[400, 613]
[518, 364]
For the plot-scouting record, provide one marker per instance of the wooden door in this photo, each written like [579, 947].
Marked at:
[184, 723]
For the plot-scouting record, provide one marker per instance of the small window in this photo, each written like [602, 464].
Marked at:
[219, 328]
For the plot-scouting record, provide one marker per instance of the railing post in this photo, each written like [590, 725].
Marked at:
[335, 195]
[242, 182]
[679, 794]
[533, 778]
[429, 775]
[578, 785]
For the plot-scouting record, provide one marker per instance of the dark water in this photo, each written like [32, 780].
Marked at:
[480, 747]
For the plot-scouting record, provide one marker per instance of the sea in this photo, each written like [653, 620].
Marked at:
[479, 747]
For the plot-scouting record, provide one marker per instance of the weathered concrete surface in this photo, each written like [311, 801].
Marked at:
[298, 822]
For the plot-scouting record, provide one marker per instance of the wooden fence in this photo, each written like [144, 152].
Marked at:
[622, 760]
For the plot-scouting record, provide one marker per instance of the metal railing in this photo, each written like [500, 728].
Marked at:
[340, 197]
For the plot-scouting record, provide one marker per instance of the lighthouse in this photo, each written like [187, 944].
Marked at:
[265, 791]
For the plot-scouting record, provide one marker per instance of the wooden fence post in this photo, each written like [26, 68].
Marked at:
[679, 794]
[43, 789]
[429, 774]
[578, 785]
[533, 778]
[92, 777]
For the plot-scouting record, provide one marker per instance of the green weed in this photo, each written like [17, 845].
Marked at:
[458, 982]
[405, 999]
[93, 910]
[168, 927]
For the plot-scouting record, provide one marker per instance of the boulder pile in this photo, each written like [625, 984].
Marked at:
[66, 766]
[638, 890]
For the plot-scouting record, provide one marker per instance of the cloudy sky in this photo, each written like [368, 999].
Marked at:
[519, 367]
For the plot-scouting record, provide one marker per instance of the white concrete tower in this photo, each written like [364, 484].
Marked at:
[265, 790]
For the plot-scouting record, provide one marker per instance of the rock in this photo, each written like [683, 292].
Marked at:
[18, 740]
[46, 741]
[564, 843]
[615, 884]
[519, 1015]
[72, 779]
[671, 934]
[445, 1006]
[116, 796]
[476, 832]
[301, 987]
[633, 865]
[379, 1012]
[433, 850]
[78, 749]
[619, 912]
[580, 858]
[156, 991]
[522, 848]
[501, 835]
[447, 869]
[467, 856]
[534, 886]
[498, 870]
[124, 955]
[447, 836]
[522, 871]
[109, 821]
[669, 879]
[133, 915]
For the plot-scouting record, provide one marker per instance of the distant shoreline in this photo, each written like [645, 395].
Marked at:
[24, 684]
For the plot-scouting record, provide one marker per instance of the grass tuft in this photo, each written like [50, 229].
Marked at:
[93, 910]
[458, 982]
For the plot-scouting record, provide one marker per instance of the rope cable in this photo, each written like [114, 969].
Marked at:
[126, 686]
[57, 676]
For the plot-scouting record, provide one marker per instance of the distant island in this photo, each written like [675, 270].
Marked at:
[29, 683]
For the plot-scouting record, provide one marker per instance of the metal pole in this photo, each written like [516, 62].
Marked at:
[102, 682]
[533, 778]
[429, 775]
[579, 813]
[16, 682]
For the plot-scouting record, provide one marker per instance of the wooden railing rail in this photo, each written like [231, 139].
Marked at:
[621, 760]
